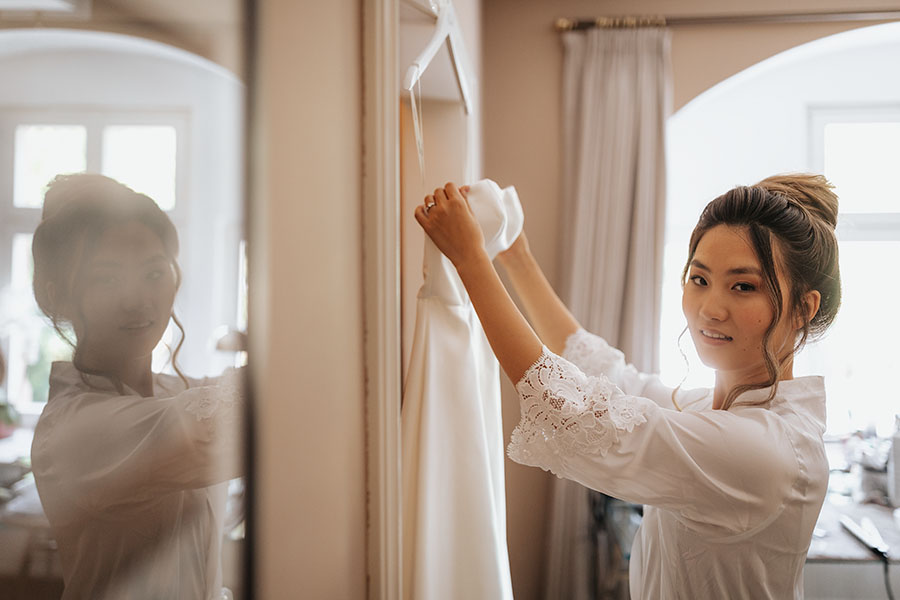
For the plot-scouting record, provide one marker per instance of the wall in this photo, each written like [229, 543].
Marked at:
[306, 311]
[522, 57]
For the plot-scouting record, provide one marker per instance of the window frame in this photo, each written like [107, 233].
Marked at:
[862, 226]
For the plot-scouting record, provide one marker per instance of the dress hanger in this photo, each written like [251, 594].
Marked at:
[446, 30]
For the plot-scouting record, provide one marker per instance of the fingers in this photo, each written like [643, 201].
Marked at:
[452, 191]
[421, 215]
[442, 197]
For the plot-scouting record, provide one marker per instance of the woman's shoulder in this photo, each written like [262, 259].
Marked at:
[67, 383]
[799, 403]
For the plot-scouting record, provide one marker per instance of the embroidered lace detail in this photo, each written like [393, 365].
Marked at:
[566, 413]
[592, 354]
[216, 405]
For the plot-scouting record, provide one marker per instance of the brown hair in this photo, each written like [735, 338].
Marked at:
[796, 215]
[78, 209]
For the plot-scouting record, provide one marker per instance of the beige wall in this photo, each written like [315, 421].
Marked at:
[306, 312]
[522, 62]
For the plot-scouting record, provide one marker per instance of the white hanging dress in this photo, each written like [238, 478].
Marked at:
[454, 500]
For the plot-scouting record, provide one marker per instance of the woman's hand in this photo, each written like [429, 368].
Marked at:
[448, 220]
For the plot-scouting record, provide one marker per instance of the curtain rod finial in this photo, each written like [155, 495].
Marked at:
[564, 24]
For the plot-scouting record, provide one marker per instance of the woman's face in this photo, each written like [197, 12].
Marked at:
[127, 297]
[727, 305]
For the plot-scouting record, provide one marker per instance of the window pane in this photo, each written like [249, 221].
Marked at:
[22, 268]
[41, 153]
[858, 356]
[143, 158]
[33, 343]
[860, 160]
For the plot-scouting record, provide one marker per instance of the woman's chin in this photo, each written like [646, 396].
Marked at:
[114, 357]
[712, 361]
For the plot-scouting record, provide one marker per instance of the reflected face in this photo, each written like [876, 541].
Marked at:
[727, 305]
[128, 290]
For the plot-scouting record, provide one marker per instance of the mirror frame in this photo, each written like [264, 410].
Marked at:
[381, 289]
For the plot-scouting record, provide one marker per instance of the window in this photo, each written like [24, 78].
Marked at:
[858, 150]
[144, 150]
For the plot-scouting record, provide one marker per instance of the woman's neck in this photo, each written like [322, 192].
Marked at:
[138, 377]
[135, 373]
[728, 380]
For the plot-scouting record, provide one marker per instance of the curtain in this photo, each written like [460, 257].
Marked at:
[615, 101]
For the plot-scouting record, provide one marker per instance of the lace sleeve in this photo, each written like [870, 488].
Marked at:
[567, 413]
[593, 355]
[216, 407]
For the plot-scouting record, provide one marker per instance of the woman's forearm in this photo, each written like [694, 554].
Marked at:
[514, 343]
[549, 316]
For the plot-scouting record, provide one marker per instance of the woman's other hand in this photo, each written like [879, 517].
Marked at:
[448, 220]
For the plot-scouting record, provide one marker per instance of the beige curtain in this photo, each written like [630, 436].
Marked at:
[615, 102]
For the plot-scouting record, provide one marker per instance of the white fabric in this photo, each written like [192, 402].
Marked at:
[615, 100]
[134, 488]
[732, 496]
[454, 500]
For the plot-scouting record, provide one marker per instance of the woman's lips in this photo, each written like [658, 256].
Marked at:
[137, 325]
[713, 336]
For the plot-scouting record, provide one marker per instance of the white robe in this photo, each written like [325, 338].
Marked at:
[732, 497]
[454, 501]
[134, 488]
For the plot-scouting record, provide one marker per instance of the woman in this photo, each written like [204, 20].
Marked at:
[733, 477]
[131, 466]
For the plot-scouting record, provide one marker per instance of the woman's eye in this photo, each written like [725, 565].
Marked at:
[698, 280]
[744, 287]
[104, 279]
[154, 275]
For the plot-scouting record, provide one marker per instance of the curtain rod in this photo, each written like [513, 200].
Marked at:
[564, 24]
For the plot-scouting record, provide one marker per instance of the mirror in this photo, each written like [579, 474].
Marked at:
[137, 454]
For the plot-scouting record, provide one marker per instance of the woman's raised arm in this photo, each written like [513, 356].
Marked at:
[549, 316]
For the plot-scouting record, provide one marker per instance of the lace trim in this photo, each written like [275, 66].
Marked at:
[566, 413]
[216, 405]
[593, 354]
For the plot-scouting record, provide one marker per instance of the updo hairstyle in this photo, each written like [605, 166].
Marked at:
[789, 220]
[78, 209]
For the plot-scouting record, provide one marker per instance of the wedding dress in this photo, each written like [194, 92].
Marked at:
[454, 501]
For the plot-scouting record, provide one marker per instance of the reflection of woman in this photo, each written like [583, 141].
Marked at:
[733, 477]
[131, 466]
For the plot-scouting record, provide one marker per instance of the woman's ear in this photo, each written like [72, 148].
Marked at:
[811, 302]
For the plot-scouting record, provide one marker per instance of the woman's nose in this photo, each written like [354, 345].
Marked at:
[713, 307]
[131, 297]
